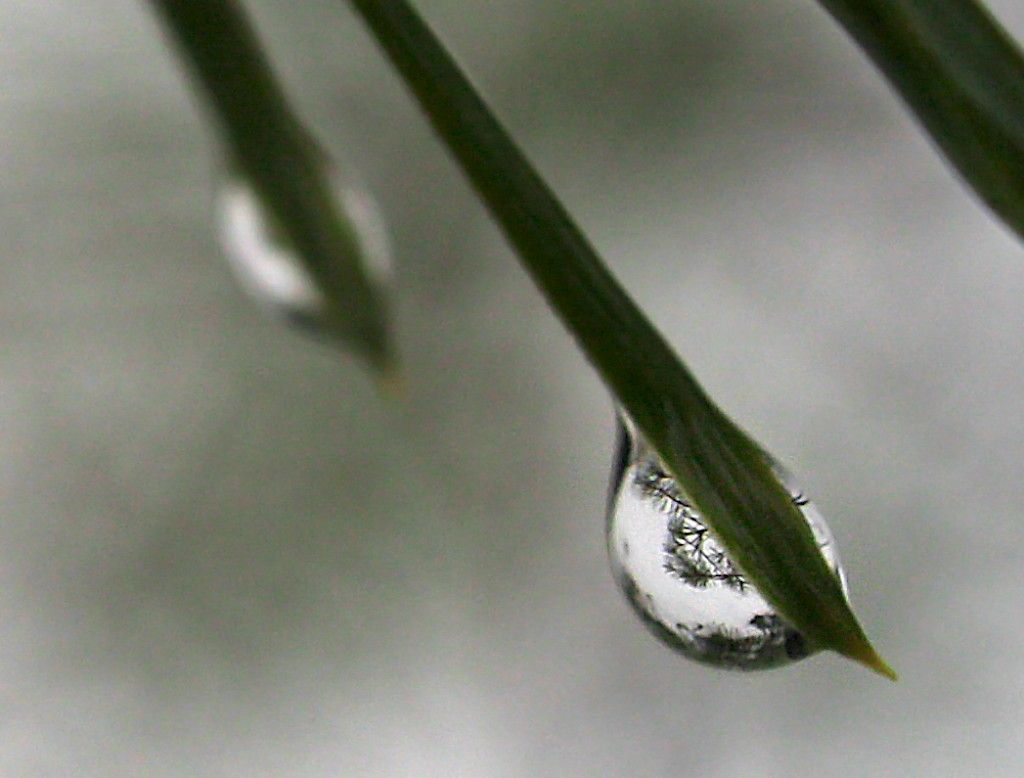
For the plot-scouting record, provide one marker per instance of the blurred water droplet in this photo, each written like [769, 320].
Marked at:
[678, 577]
[269, 268]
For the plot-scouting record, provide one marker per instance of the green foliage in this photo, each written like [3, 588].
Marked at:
[963, 77]
[270, 149]
[723, 471]
[954, 66]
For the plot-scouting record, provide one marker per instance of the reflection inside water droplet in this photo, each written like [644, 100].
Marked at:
[268, 267]
[680, 580]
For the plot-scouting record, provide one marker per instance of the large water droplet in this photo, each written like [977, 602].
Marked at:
[269, 268]
[678, 577]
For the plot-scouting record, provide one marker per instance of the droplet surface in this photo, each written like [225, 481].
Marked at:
[678, 577]
[269, 268]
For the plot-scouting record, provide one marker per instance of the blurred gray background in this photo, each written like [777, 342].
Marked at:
[221, 553]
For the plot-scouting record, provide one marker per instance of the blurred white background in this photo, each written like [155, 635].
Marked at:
[221, 553]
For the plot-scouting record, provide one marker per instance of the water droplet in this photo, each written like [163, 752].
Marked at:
[678, 577]
[269, 268]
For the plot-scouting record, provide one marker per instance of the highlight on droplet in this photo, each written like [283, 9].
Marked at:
[269, 268]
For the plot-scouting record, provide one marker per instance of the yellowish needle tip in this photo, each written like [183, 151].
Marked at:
[868, 657]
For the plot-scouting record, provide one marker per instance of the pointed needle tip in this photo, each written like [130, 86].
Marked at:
[882, 667]
[868, 657]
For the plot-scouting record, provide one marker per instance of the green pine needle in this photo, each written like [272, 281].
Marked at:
[719, 467]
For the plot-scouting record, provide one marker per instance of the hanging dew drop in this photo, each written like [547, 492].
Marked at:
[273, 273]
[680, 580]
